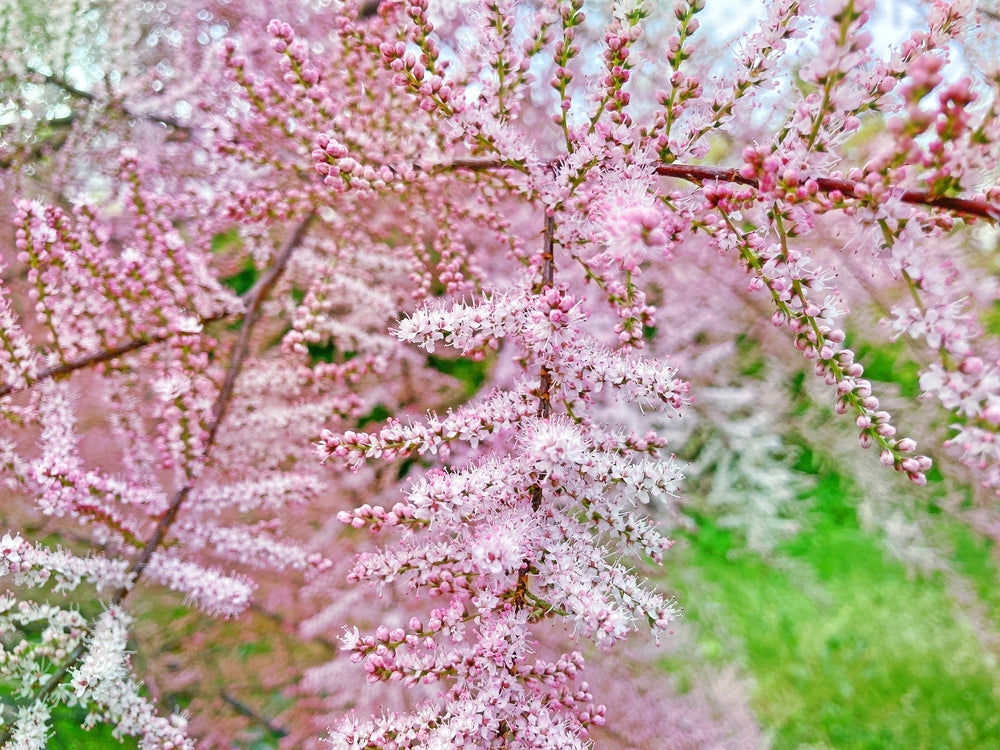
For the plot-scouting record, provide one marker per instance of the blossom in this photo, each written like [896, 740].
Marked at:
[31, 730]
[633, 231]
[554, 444]
[280, 281]
[496, 552]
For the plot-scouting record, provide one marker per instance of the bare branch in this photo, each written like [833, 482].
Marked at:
[62, 83]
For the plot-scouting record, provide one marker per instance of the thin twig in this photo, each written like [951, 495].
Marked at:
[64, 368]
[521, 593]
[256, 296]
[244, 709]
[263, 286]
[548, 256]
[60, 82]
[967, 206]
[69, 88]
[544, 375]
[977, 207]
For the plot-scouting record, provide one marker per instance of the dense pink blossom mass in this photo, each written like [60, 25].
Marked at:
[278, 276]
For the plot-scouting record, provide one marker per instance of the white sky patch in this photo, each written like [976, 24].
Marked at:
[726, 19]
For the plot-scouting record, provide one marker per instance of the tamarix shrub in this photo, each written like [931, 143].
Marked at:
[246, 258]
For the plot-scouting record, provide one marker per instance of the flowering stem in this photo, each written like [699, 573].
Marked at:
[545, 376]
[521, 593]
[548, 255]
[978, 207]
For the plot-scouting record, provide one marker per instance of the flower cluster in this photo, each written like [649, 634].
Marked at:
[432, 273]
[103, 683]
[512, 539]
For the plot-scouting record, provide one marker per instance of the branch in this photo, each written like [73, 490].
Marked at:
[256, 297]
[978, 207]
[69, 88]
[245, 710]
[253, 298]
[257, 294]
[64, 368]
[62, 83]
[521, 592]
[545, 375]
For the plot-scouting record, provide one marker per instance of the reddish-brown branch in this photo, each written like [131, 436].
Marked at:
[96, 358]
[256, 296]
[262, 287]
[544, 391]
[977, 207]
[545, 376]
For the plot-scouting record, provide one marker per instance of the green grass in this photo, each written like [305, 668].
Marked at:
[975, 559]
[890, 362]
[241, 281]
[846, 648]
[470, 372]
[68, 734]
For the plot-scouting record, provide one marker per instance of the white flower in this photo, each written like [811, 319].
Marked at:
[171, 387]
[497, 552]
[555, 443]
[189, 324]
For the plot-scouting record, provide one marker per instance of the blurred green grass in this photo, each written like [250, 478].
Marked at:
[67, 734]
[846, 647]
